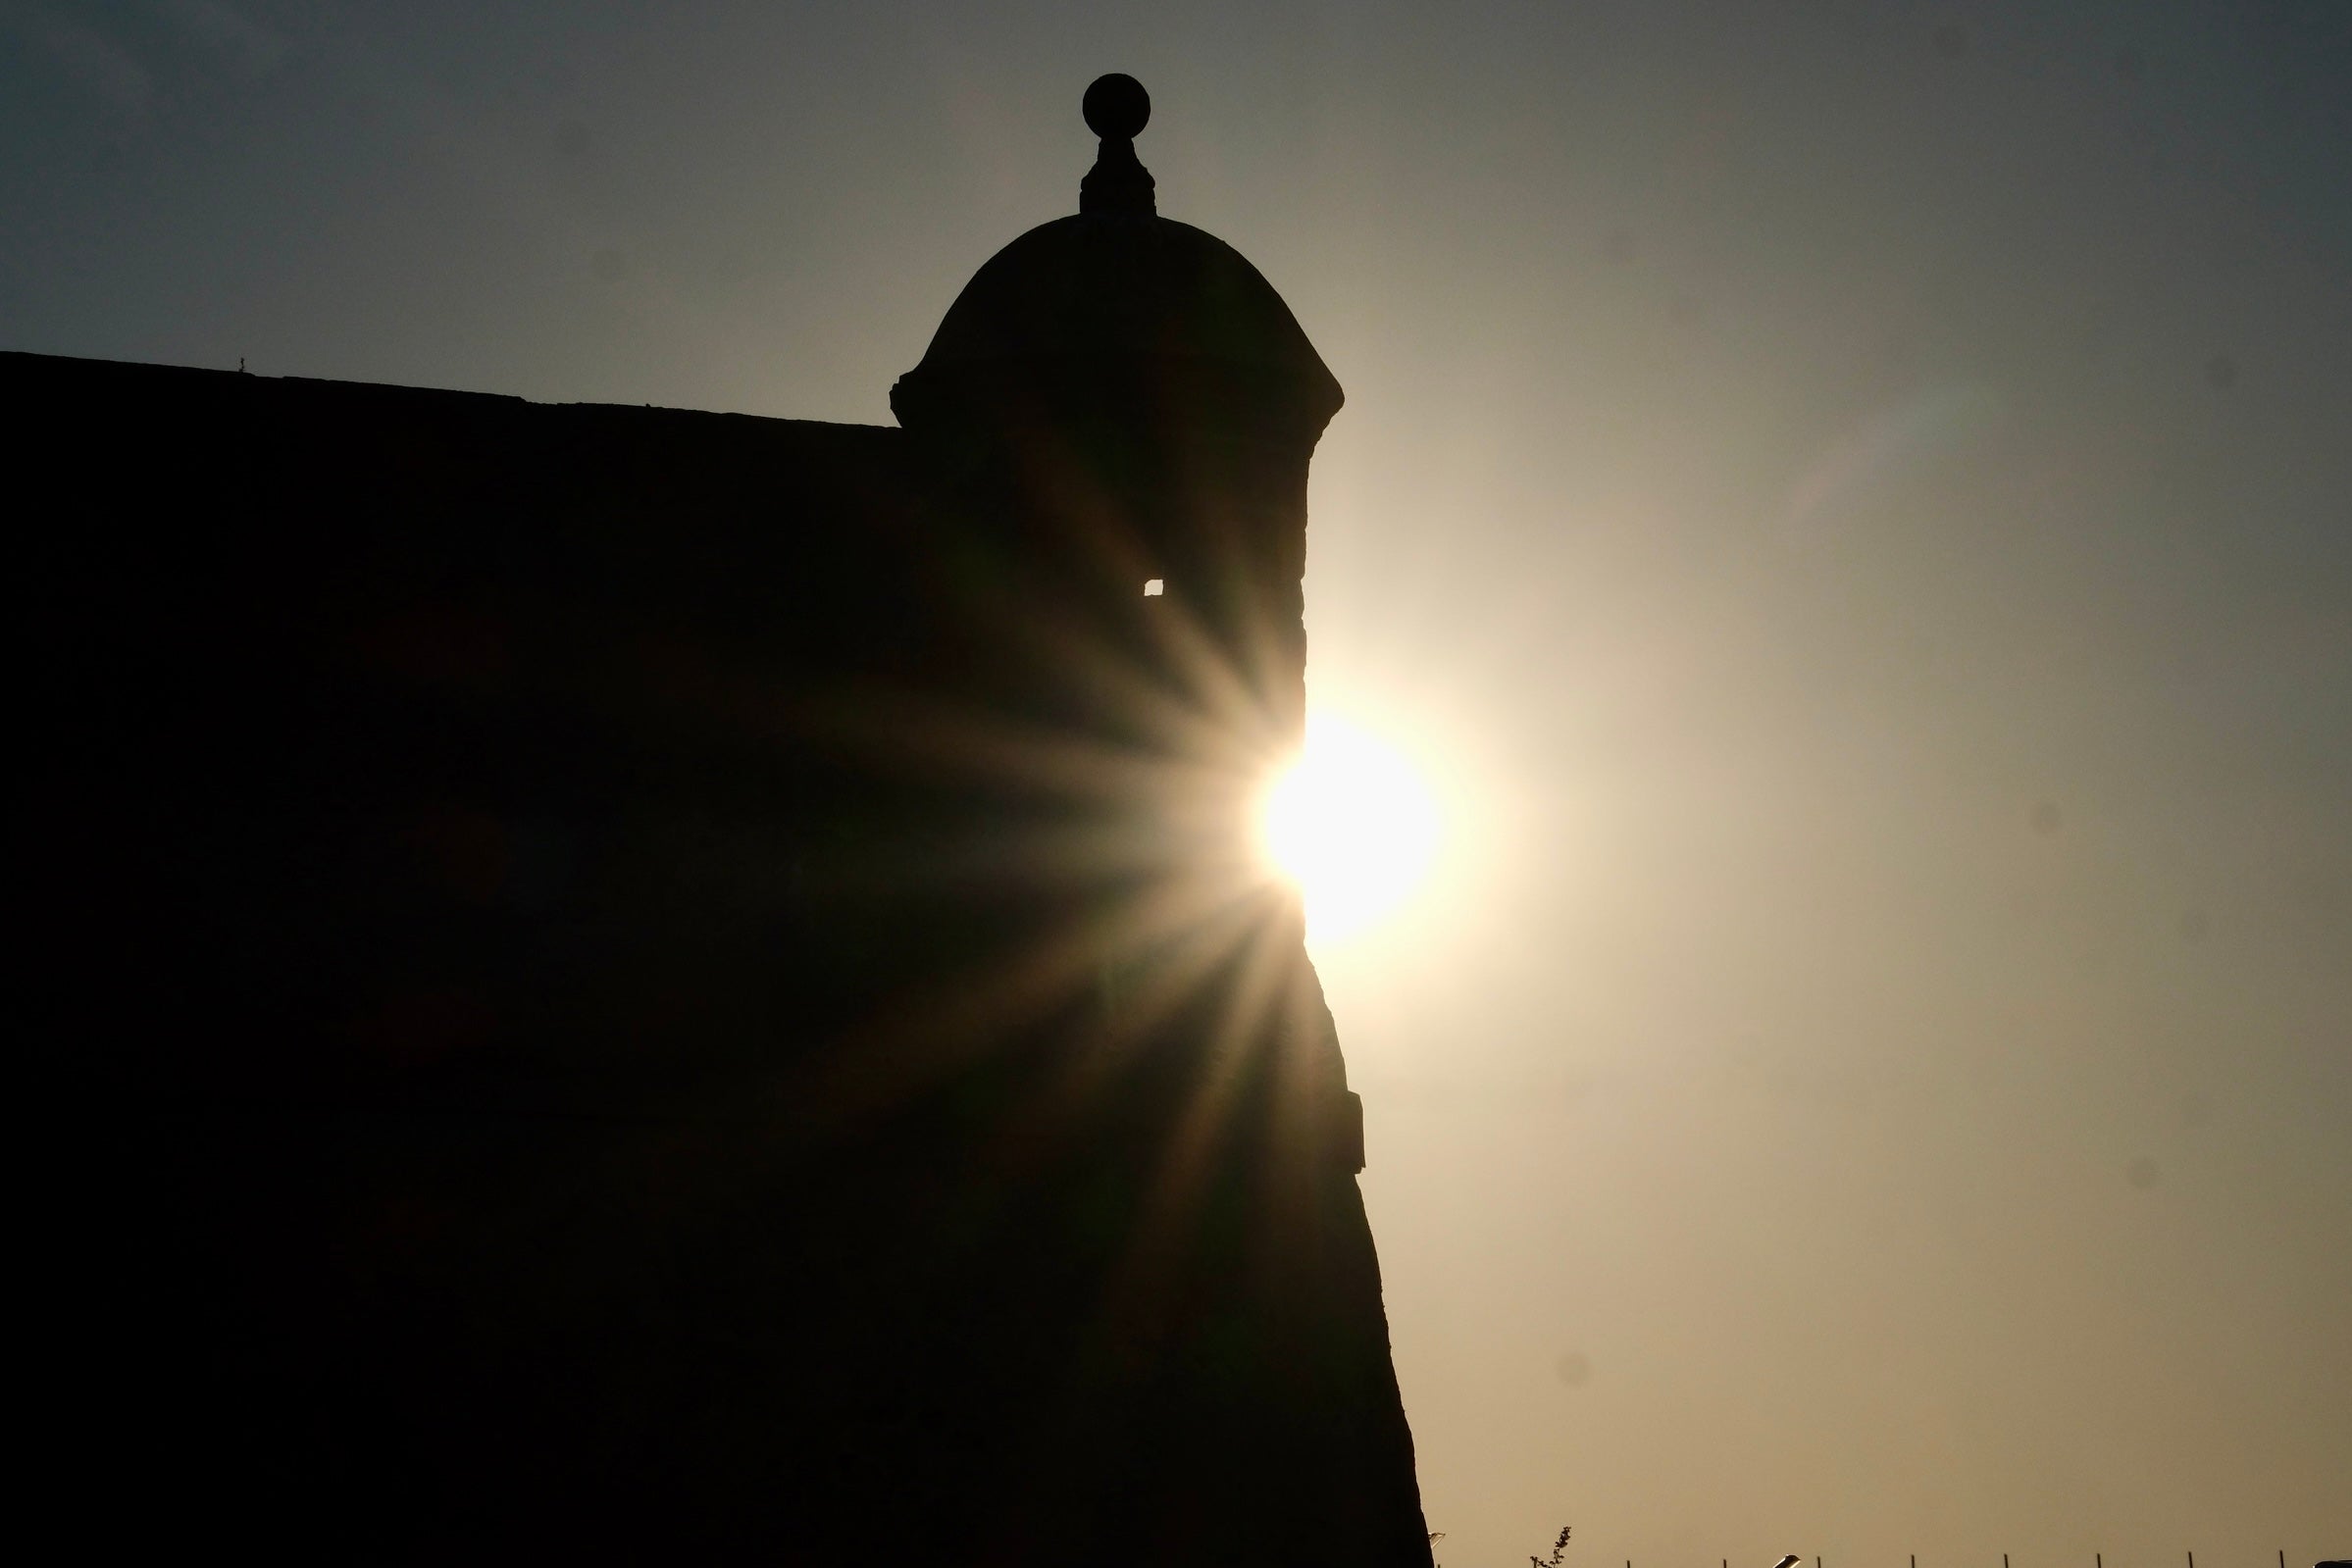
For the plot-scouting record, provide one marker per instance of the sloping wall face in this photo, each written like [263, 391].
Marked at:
[595, 988]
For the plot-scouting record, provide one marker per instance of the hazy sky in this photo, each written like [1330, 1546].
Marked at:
[1853, 502]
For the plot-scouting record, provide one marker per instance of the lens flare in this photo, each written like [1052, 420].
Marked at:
[1353, 823]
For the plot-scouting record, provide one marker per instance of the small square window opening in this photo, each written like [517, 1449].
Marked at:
[1153, 588]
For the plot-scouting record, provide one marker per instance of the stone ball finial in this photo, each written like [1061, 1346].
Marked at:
[1116, 106]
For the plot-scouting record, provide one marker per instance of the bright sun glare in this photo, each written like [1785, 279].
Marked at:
[1353, 823]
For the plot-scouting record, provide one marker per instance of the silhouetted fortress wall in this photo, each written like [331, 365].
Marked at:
[634, 984]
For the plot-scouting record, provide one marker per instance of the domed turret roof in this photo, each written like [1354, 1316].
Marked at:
[1116, 290]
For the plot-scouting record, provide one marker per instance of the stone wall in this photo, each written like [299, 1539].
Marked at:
[579, 1003]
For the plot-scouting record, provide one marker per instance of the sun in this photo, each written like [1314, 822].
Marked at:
[1353, 823]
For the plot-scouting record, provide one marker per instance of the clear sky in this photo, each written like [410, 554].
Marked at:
[1850, 504]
